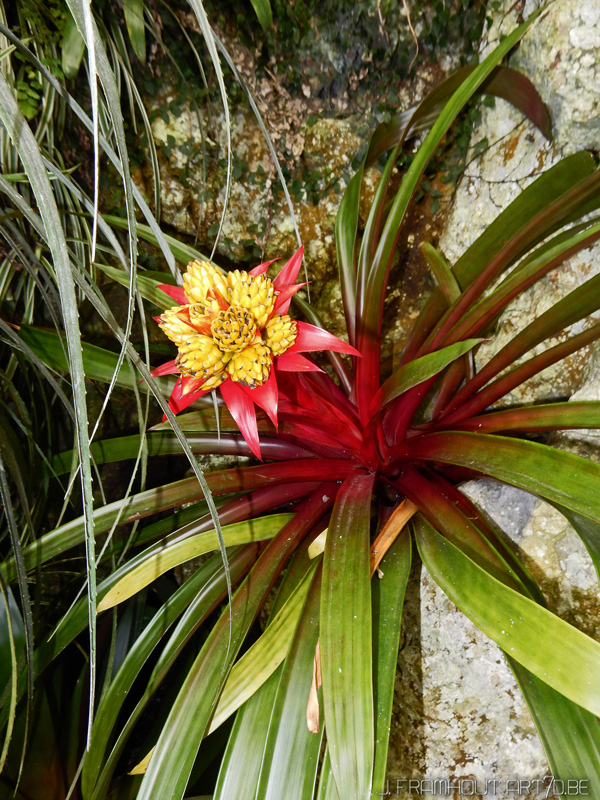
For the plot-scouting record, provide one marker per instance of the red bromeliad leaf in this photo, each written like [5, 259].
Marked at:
[289, 272]
[265, 396]
[311, 338]
[241, 408]
[262, 268]
[284, 298]
[184, 394]
[294, 362]
[168, 368]
[175, 292]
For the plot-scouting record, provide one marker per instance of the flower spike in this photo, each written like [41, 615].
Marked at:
[233, 332]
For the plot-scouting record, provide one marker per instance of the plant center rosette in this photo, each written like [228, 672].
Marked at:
[233, 333]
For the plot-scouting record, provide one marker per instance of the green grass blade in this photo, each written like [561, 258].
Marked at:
[346, 660]
[554, 651]
[72, 48]
[147, 286]
[30, 155]
[100, 364]
[184, 253]
[263, 12]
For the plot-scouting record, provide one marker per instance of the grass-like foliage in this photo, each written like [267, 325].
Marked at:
[359, 473]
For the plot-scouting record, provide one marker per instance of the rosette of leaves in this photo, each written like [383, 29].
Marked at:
[360, 476]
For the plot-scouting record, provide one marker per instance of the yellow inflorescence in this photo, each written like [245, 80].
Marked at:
[280, 333]
[234, 329]
[256, 293]
[202, 283]
[228, 330]
[175, 326]
[252, 366]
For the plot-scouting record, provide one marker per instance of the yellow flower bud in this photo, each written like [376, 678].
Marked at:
[200, 357]
[201, 281]
[252, 366]
[175, 325]
[234, 329]
[254, 292]
[280, 333]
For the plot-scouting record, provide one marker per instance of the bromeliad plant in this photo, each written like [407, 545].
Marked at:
[355, 472]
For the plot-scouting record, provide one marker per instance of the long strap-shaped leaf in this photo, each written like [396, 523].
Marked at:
[201, 589]
[370, 325]
[291, 752]
[569, 733]
[185, 491]
[244, 756]
[575, 306]
[165, 557]
[545, 471]
[388, 600]
[346, 660]
[556, 652]
[546, 417]
[532, 203]
[20, 133]
[170, 766]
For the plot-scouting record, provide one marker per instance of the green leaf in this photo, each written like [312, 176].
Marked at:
[241, 763]
[442, 273]
[202, 589]
[346, 658]
[171, 763]
[266, 654]
[545, 471]
[291, 751]
[134, 19]
[388, 599]
[164, 557]
[327, 787]
[147, 286]
[263, 12]
[100, 364]
[545, 417]
[72, 47]
[420, 370]
[523, 223]
[381, 262]
[554, 651]
[569, 733]
[184, 253]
